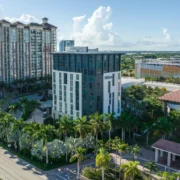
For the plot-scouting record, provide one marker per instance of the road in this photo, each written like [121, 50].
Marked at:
[13, 168]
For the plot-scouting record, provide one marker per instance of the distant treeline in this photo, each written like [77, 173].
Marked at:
[163, 79]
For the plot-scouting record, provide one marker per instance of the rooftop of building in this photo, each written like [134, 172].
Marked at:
[169, 86]
[168, 146]
[44, 25]
[4, 21]
[160, 61]
[125, 80]
[99, 52]
[171, 97]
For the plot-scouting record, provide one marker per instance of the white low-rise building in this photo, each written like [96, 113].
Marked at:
[127, 82]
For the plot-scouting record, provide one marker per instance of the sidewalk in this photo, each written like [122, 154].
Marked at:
[124, 161]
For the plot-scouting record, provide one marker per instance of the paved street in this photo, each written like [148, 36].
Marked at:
[13, 168]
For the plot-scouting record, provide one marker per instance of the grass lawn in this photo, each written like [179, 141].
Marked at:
[41, 165]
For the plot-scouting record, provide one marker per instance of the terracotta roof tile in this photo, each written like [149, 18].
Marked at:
[168, 146]
[172, 96]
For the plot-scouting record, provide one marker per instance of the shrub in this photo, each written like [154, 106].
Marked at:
[48, 120]
[96, 174]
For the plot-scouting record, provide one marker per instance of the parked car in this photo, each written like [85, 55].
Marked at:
[43, 98]
[44, 114]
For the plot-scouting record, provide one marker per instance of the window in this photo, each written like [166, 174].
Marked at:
[71, 109]
[117, 63]
[55, 99]
[119, 76]
[113, 105]
[60, 106]
[98, 64]
[111, 63]
[66, 108]
[65, 78]
[60, 95]
[71, 97]
[54, 86]
[54, 77]
[78, 63]
[109, 109]
[77, 95]
[77, 114]
[71, 77]
[113, 80]
[77, 76]
[91, 65]
[109, 86]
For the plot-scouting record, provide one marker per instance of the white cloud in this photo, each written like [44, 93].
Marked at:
[60, 36]
[97, 31]
[166, 34]
[77, 23]
[166, 42]
[1, 8]
[24, 18]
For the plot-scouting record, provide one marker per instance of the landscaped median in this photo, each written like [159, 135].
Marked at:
[24, 155]
[129, 170]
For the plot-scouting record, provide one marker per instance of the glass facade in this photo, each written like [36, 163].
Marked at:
[87, 64]
[92, 67]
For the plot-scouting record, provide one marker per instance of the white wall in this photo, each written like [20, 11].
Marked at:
[68, 102]
[173, 106]
[116, 89]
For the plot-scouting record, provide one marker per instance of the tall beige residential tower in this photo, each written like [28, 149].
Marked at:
[25, 49]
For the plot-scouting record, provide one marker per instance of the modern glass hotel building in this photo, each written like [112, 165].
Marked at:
[86, 82]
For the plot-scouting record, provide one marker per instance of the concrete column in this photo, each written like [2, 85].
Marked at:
[168, 110]
[169, 159]
[173, 157]
[161, 153]
[156, 155]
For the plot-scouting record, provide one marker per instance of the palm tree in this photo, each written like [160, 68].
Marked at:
[102, 160]
[108, 123]
[125, 122]
[116, 141]
[122, 148]
[24, 100]
[30, 129]
[6, 121]
[79, 156]
[151, 165]
[46, 132]
[17, 127]
[65, 126]
[15, 107]
[3, 86]
[82, 126]
[164, 126]
[130, 170]
[96, 121]
[135, 150]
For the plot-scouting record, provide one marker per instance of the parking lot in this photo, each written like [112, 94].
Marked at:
[37, 115]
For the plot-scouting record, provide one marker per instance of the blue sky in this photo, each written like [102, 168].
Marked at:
[115, 24]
